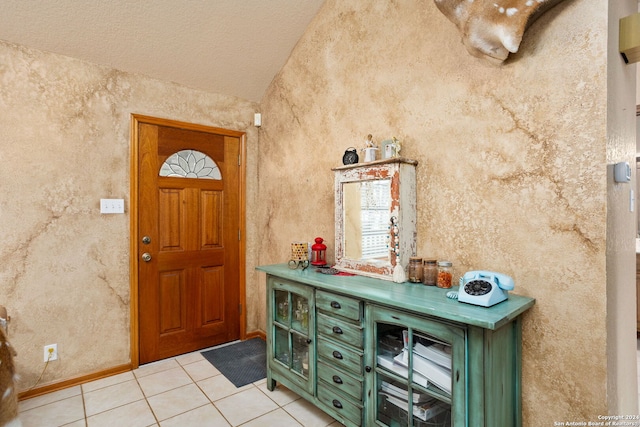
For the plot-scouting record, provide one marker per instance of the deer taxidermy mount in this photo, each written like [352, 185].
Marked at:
[492, 29]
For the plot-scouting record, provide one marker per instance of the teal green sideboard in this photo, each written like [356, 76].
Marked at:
[361, 348]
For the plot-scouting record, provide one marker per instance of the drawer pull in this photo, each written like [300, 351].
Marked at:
[337, 379]
[337, 403]
[367, 368]
[337, 354]
[335, 304]
[309, 341]
[337, 330]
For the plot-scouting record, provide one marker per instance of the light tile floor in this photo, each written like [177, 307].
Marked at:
[179, 392]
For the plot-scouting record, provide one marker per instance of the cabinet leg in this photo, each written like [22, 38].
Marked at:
[271, 383]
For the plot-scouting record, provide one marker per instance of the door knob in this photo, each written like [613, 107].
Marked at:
[146, 240]
[146, 257]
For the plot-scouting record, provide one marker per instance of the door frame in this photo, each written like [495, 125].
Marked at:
[134, 157]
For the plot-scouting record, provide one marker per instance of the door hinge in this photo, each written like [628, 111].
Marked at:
[239, 308]
[239, 162]
[239, 237]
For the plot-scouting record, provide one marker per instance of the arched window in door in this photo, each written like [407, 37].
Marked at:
[190, 164]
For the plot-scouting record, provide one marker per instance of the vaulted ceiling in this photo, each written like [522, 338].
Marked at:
[230, 47]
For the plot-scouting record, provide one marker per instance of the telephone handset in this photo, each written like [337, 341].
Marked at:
[485, 288]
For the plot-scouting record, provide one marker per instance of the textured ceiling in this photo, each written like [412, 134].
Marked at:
[231, 47]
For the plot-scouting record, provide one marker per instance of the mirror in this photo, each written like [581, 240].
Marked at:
[367, 197]
[366, 207]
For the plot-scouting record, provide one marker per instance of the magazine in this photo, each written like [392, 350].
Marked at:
[434, 373]
[437, 353]
[424, 411]
[388, 363]
[399, 392]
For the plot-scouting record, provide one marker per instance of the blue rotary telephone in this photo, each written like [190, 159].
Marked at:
[484, 288]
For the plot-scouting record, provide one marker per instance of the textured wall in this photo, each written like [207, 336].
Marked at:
[64, 144]
[621, 223]
[511, 173]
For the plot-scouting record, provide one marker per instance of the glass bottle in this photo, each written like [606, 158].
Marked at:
[305, 317]
[430, 272]
[415, 270]
[283, 310]
[445, 274]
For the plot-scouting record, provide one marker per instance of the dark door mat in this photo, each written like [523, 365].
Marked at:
[241, 363]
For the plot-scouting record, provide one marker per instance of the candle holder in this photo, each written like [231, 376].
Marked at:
[318, 253]
[299, 255]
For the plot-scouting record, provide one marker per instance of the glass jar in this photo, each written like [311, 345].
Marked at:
[445, 274]
[414, 271]
[429, 272]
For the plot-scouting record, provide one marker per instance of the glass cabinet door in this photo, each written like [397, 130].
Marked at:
[291, 348]
[419, 376]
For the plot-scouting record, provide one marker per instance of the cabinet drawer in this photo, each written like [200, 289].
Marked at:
[339, 404]
[340, 356]
[340, 330]
[340, 380]
[339, 305]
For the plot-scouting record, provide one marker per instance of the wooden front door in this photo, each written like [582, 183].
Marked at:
[188, 239]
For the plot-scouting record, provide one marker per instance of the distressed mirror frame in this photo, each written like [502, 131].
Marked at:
[402, 173]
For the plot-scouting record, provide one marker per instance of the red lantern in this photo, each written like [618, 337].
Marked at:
[318, 253]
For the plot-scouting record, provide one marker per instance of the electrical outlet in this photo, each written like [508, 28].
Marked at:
[50, 352]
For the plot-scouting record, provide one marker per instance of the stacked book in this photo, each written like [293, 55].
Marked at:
[424, 407]
[435, 374]
[390, 363]
[431, 363]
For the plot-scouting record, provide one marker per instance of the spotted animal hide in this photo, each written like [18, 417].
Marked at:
[493, 28]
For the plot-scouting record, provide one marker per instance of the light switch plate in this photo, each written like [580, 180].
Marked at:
[111, 206]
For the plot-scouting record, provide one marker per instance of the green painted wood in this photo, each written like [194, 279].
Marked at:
[347, 383]
[486, 343]
[339, 330]
[347, 358]
[339, 404]
[499, 377]
[339, 305]
[379, 317]
[413, 297]
[282, 334]
[476, 410]
[517, 389]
